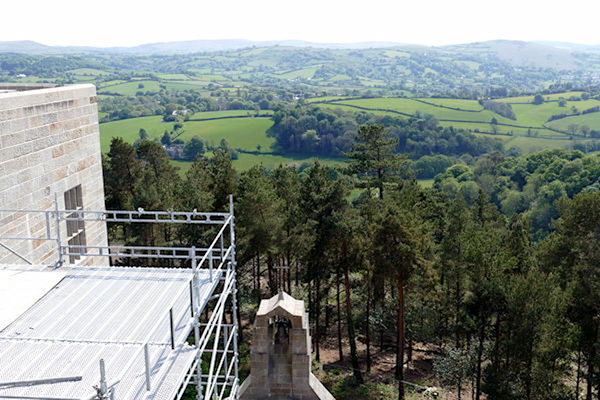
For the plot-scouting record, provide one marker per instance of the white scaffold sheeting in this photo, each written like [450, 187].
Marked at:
[108, 313]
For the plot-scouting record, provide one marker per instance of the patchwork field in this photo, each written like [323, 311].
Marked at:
[530, 131]
[241, 133]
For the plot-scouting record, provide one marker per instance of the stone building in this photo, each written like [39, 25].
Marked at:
[280, 354]
[49, 148]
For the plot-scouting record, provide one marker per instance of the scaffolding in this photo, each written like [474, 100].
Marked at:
[194, 341]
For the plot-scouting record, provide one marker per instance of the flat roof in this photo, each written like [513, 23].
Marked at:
[109, 313]
[20, 87]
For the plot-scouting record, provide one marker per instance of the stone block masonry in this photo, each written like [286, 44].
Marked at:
[280, 354]
[49, 143]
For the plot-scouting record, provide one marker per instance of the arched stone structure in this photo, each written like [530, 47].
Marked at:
[280, 354]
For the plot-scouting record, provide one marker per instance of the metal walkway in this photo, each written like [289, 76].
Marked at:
[143, 323]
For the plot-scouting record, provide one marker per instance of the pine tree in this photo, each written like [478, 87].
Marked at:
[373, 160]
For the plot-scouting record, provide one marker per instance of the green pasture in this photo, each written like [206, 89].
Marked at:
[337, 106]
[591, 120]
[485, 127]
[472, 105]
[173, 77]
[246, 161]
[537, 115]
[111, 83]
[227, 113]
[242, 133]
[304, 73]
[130, 88]
[324, 98]
[410, 106]
[533, 144]
[529, 99]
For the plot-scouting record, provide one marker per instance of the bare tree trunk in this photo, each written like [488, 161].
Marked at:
[479, 360]
[258, 276]
[368, 327]
[350, 327]
[339, 314]
[497, 341]
[457, 312]
[400, 338]
[318, 317]
[271, 276]
[578, 372]
[296, 283]
[590, 379]
[529, 370]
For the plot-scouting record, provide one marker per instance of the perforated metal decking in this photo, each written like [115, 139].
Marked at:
[138, 320]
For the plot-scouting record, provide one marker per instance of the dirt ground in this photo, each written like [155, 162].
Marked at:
[383, 365]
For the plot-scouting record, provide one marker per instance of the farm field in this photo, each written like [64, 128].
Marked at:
[411, 107]
[247, 161]
[472, 105]
[591, 120]
[533, 144]
[529, 99]
[242, 133]
[529, 132]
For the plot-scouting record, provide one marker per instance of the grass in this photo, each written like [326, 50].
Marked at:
[304, 73]
[409, 106]
[240, 133]
[228, 113]
[591, 120]
[537, 115]
[334, 106]
[247, 161]
[342, 385]
[243, 133]
[532, 144]
[529, 99]
[457, 103]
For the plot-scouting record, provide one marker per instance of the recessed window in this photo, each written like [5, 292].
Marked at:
[75, 229]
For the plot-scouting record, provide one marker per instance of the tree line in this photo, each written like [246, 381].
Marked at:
[315, 130]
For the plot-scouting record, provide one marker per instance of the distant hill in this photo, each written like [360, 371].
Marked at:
[547, 55]
[524, 54]
[570, 46]
[180, 47]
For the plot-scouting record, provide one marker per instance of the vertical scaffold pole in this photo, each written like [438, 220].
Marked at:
[232, 266]
[195, 315]
[59, 263]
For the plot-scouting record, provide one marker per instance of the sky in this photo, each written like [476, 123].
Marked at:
[428, 22]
